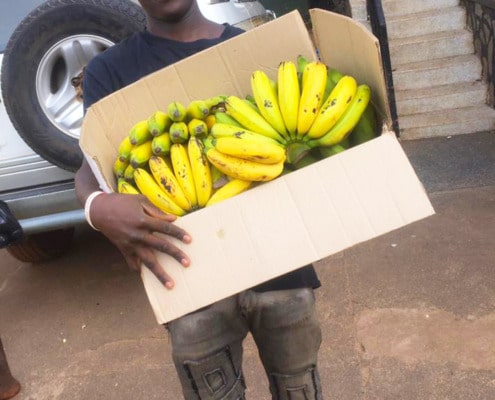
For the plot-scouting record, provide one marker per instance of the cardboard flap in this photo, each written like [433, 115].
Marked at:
[363, 62]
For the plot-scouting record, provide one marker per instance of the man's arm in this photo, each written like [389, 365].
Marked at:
[129, 222]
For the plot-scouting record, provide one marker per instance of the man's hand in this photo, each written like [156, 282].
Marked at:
[129, 221]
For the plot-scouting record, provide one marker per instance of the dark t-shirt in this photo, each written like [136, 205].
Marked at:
[143, 53]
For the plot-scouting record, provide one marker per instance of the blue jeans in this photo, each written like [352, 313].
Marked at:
[207, 345]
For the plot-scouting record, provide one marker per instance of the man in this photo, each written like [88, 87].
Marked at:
[206, 344]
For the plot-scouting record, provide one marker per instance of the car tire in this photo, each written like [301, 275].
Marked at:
[43, 246]
[47, 50]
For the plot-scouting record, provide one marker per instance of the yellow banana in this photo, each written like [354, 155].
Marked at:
[139, 133]
[176, 111]
[129, 173]
[148, 186]
[158, 122]
[183, 172]
[225, 130]
[210, 121]
[197, 127]
[314, 81]
[239, 168]
[140, 154]
[224, 118]
[265, 96]
[288, 95]
[119, 167]
[347, 121]
[230, 189]
[214, 102]
[248, 149]
[200, 168]
[333, 107]
[166, 179]
[125, 147]
[125, 187]
[161, 144]
[249, 118]
[197, 109]
[179, 133]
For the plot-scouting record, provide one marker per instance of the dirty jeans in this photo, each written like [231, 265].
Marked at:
[207, 345]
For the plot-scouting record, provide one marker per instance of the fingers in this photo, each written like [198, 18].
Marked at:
[150, 262]
[153, 211]
[167, 247]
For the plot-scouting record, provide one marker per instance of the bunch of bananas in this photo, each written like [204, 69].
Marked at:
[191, 156]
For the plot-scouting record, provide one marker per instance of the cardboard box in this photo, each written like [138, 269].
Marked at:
[293, 220]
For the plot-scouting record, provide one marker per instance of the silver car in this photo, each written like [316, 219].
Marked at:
[44, 46]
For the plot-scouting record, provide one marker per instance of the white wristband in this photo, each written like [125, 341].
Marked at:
[87, 207]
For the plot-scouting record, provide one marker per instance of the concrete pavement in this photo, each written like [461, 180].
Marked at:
[407, 316]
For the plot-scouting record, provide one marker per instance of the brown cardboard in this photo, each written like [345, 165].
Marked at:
[293, 220]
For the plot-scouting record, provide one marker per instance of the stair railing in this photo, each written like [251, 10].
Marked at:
[379, 28]
[481, 21]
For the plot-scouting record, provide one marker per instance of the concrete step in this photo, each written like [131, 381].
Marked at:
[423, 23]
[441, 71]
[444, 97]
[447, 122]
[431, 46]
[404, 7]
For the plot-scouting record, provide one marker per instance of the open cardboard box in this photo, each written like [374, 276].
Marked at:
[295, 219]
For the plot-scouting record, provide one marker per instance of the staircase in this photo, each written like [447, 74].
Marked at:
[437, 76]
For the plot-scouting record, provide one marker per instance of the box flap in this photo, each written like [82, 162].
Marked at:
[364, 62]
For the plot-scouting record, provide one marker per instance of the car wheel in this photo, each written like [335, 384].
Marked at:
[48, 49]
[42, 246]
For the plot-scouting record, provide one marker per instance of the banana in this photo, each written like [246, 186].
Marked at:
[215, 101]
[249, 118]
[183, 172]
[334, 107]
[288, 95]
[176, 111]
[265, 96]
[218, 178]
[328, 151]
[129, 173]
[226, 130]
[197, 109]
[333, 76]
[230, 189]
[148, 186]
[197, 127]
[166, 179]
[347, 121]
[125, 187]
[124, 149]
[179, 133]
[160, 145]
[119, 167]
[201, 171]
[139, 133]
[314, 81]
[210, 120]
[367, 127]
[158, 123]
[239, 168]
[140, 154]
[301, 63]
[249, 149]
[224, 118]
